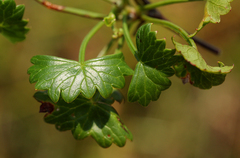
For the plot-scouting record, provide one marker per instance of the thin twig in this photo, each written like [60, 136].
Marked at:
[69, 10]
[206, 45]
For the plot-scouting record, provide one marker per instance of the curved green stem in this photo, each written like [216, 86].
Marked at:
[120, 45]
[163, 3]
[127, 35]
[86, 40]
[172, 27]
[69, 10]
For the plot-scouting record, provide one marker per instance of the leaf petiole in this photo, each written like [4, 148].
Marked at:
[70, 10]
[106, 49]
[127, 35]
[120, 45]
[172, 27]
[163, 3]
[86, 40]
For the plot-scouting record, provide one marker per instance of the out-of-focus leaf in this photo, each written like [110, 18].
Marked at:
[70, 78]
[11, 24]
[93, 117]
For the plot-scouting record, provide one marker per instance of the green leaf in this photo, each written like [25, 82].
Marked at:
[153, 69]
[11, 24]
[93, 117]
[213, 10]
[70, 78]
[192, 56]
[194, 69]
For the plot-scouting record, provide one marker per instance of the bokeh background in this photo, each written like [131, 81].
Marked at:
[185, 122]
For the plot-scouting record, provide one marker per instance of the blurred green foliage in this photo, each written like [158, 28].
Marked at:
[185, 122]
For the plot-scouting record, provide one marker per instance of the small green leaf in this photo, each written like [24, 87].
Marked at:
[11, 24]
[153, 69]
[110, 20]
[194, 69]
[213, 10]
[70, 78]
[88, 117]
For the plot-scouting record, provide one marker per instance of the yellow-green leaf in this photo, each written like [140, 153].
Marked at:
[213, 10]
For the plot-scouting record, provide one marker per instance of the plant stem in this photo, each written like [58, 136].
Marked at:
[172, 27]
[115, 2]
[86, 40]
[69, 10]
[120, 44]
[127, 35]
[163, 3]
[154, 13]
[105, 49]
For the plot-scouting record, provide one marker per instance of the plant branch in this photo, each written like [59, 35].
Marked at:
[87, 39]
[163, 3]
[172, 27]
[69, 10]
[127, 35]
[207, 45]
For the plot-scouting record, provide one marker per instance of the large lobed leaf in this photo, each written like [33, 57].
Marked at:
[192, 68]
[213, 10]
[153, 69]
[11, 24]
[70, 78]
[93, 117]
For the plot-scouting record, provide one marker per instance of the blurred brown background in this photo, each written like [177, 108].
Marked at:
[185, 122]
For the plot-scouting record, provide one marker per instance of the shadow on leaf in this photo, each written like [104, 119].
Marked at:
[88, 117]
